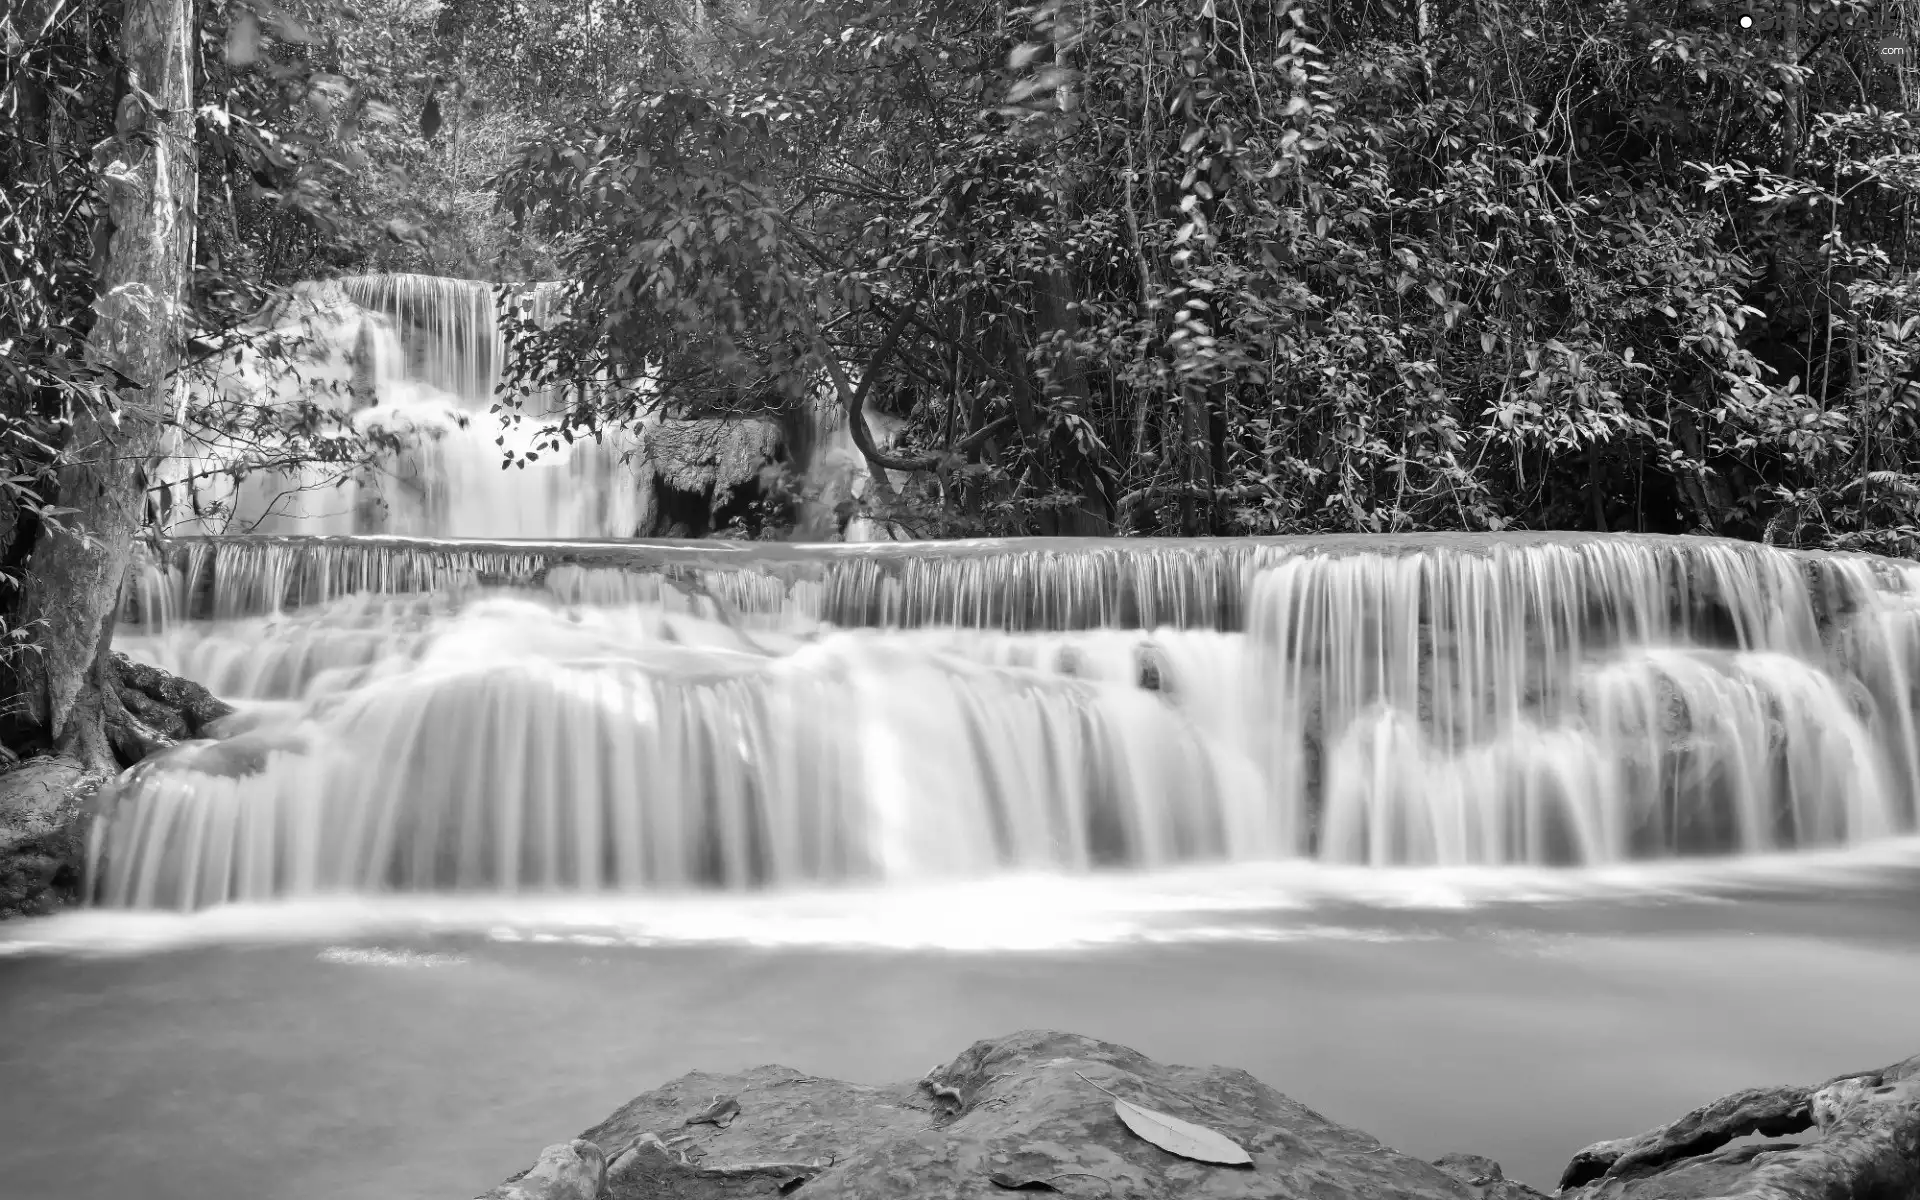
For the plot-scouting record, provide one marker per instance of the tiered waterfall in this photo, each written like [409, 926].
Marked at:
[438, 714]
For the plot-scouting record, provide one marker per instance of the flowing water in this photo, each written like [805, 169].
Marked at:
[618, 716]
[1501, 843]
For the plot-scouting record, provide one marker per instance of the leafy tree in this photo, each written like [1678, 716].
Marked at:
[147, 146]
[1264, 267]
[317, 139]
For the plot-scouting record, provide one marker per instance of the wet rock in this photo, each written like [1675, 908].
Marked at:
[567, 1171]
[157, 710]
[1030, 1116]
[1862, 1142]
[44, 805]
[173, 707]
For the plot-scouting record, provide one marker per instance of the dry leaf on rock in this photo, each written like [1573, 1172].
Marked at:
[1182, 1137]
[720, 1113]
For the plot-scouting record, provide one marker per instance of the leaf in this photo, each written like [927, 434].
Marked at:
[724, 1108]
[1182, 1137]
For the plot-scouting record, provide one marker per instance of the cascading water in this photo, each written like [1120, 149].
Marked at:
[838, 475]
[410, 360]
[425, 711]
[583, 716]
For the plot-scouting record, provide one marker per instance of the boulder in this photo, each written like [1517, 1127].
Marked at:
[1855, 1137]
[568, 1171]
[710, 455]
[44, 804]
[175, 708]
[1032, 1112]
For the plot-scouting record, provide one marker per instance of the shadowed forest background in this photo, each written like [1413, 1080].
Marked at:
[1226, 267]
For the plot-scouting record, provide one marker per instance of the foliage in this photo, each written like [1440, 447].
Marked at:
[1252, 266]
[54, 104]
[1215, 266]
[313, 160]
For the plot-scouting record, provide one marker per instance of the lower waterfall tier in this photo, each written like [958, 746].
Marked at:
[1429, 707]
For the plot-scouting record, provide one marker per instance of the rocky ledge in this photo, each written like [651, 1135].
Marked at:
[1044, 1112]
[45, 802]
[1854, 1137]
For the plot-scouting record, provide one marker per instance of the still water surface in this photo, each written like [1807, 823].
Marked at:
[393, 1050]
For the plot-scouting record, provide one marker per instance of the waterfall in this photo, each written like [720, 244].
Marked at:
[366, 405]
[454, 677]
[409, 365]
[837, 473]
[596, 715]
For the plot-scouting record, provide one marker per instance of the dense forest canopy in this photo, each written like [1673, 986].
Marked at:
[1169, 266]
[1254, 267]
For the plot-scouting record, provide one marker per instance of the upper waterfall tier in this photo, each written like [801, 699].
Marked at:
[447, 331]
[425, 715]
[365, 405]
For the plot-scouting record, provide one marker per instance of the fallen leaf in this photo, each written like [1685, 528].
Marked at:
[1182, 1137]
[1014, 1183]
[719, 1113]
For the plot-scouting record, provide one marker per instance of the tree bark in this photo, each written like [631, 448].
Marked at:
[73, 579]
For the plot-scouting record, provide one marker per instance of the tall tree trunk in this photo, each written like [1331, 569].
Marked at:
[74, 577]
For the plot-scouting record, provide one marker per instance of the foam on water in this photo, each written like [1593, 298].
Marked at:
[1251, 903]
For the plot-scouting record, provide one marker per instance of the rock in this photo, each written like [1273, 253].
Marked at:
[1030, 1115]
[1864, 1144]
[157, 710]
[44, 805]
[710, 455]
[1484, 1178]
[171, 706]
[568, 1171]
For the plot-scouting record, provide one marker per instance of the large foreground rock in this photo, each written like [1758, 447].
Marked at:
[1855, 1137]
[43, 839]
[1028, 1113]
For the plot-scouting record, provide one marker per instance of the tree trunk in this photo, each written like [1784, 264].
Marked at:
[74, 577]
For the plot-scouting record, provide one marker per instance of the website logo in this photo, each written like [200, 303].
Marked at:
[1773, 18]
